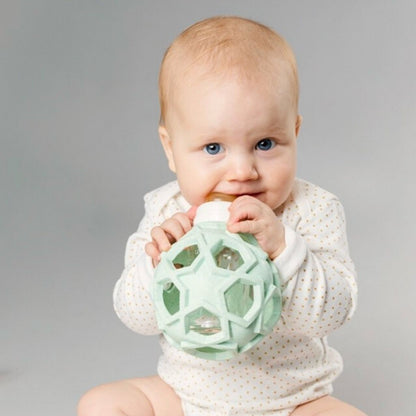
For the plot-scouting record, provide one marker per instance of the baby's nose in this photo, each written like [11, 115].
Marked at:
[243, 168]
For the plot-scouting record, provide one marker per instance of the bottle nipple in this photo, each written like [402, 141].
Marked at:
[219, 196]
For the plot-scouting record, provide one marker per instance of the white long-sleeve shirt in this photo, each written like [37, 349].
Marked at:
[294, 363]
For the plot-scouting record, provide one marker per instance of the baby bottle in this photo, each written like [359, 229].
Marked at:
[216, 293]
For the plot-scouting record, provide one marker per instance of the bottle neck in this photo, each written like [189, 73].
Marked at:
[215, 208]
[212, 211]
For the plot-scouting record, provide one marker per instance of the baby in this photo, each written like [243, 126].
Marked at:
[229, 123]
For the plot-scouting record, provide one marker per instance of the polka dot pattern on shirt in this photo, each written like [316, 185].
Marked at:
[292, 365]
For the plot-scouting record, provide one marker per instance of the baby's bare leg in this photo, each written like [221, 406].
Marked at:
[327, 406]
[149, 396]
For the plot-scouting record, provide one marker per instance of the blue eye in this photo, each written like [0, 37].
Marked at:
[265, 144]
[213, 148]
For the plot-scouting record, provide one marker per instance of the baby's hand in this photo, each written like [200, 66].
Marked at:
[250, 215]
[168, 232]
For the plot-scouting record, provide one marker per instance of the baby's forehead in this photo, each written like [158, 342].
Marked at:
[245, 56]
[275, 75]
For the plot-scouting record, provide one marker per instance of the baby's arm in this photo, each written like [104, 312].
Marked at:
[319, 288]
[318, 276]
[131, 296]
[132, 299]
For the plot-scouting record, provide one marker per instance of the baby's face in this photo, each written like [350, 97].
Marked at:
[232, 137]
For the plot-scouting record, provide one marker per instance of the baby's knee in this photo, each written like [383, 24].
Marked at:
[96, 402]
[115, 399]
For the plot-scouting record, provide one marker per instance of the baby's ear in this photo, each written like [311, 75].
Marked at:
[167, 147]
[299, 120]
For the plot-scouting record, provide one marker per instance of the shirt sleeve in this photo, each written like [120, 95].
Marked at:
[132, 299]
[318, 276]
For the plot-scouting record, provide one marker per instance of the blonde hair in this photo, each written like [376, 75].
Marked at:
[223, 45]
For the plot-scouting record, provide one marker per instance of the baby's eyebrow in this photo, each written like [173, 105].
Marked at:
[277, 126]
[270, 132]
[205, 142]
[205, 138]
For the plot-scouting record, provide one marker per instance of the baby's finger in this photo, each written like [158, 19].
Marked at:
[244, 211]
[247, 226]
[153, 252]
[191, 213]
[176, 227]
[184, 220]
[161, 238]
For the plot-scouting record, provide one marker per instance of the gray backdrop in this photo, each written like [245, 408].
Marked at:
[79, 148]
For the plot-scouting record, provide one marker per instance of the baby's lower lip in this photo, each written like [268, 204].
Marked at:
[254, 195]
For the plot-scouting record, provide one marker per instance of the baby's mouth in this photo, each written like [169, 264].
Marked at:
[239, 192]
